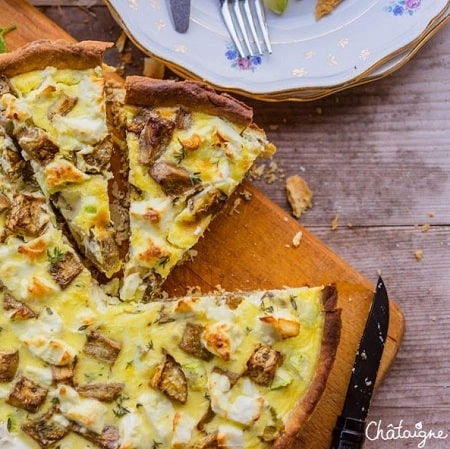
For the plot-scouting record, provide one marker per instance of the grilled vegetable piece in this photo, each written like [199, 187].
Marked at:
[102, 348]
[28, 216]
[46, 430]
[27, 394]
[64, 373]
[106, 392]
[154, 137]
[99, 159]
[65, 269]
[232, 377]
[173, 180]
[262, 364]
[191, 342]
[209, 201]
[4, 203]
[19, 309]
[108, 439]
[62, 106]
[9, 361]
[36, 143]
[170, 379]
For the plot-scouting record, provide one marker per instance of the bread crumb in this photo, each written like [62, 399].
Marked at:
[248, 196]
[434, 319]
[191, 254]
[335, 223]
[234, 208]
[418, 255]
[425, 227]
[299, 194]
[153, 68]
[257, 171]
[431, 214]
[297, 238]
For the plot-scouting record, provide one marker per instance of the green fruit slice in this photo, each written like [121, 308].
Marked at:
[277, 6]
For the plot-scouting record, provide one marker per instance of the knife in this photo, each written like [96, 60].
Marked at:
[350, 425]
[181, 12]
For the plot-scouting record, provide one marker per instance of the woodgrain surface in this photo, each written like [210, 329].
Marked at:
[376, 156]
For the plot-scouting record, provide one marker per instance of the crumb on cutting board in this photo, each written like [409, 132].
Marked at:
[335, 223]
[297, 239]
[418, 255]
[299, 194]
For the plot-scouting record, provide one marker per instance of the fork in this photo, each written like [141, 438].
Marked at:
[246, 23]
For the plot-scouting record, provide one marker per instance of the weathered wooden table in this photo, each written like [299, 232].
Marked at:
[378, 158]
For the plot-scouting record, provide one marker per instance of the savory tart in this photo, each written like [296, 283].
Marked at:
[52, 94]
[84, 363]
[188, 149]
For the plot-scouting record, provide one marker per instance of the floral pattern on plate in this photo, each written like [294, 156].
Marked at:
[401, 7]
[242, 63]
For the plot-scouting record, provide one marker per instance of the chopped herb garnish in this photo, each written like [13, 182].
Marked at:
[56, 256]
[266, 309]
[195, 178]
[293, 302]
[129, 364]
[149, 345]
[179, 154]
[163, 261]
[90, 209]
[120, 410]
[11, 424]
[3, 31]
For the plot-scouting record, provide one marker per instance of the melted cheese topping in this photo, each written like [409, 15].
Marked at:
[69, 106]
[217, 154]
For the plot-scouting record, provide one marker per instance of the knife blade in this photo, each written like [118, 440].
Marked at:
[350, 424]
[181, 12]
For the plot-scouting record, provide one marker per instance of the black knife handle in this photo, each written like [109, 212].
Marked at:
[348, 433]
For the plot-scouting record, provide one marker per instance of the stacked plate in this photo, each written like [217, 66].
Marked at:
[360, 41]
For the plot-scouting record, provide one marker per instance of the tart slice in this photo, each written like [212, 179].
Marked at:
[52, 96]
[188, 149]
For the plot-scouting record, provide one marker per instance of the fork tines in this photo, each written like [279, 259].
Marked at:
[246, 23]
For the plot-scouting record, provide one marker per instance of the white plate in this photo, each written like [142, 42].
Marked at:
[357, 38]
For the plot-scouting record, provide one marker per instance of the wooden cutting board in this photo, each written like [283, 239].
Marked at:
[249, 246]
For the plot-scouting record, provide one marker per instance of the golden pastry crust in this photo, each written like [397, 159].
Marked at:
[60, 54]
[330, 341]
[192, 95]
[324, 7]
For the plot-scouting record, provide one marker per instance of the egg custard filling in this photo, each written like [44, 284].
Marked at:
[88, 363]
